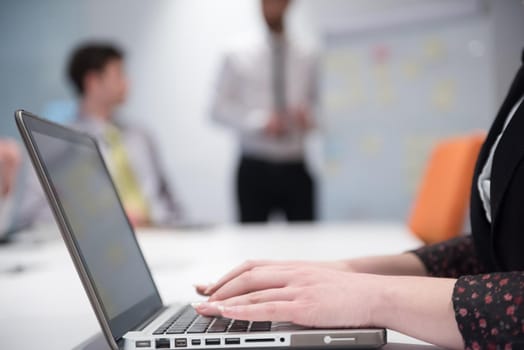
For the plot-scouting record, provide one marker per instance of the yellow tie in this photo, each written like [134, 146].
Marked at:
[123, 176]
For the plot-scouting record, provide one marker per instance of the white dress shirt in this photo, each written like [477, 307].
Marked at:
[144, 161]
[244, 99]
[484, 180]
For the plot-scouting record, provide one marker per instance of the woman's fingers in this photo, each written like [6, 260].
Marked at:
[262, 296]
[246, 266]
[209, 289]
[253, 280]
[201, 288]
[277, 311]
[206, 308]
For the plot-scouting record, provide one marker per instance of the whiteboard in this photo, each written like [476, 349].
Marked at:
[387, 96]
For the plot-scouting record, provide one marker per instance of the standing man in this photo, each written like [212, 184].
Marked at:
[96, 71]
[266, 94]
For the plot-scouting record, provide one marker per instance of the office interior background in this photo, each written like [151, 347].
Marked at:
[395, 76]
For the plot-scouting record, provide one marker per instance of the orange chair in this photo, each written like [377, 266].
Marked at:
[442, 201]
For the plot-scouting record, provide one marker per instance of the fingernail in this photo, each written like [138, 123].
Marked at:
[220, 307]
[196, 304]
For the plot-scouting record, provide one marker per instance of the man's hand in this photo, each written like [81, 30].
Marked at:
[275, 126]
[10, 159]
[302, 118]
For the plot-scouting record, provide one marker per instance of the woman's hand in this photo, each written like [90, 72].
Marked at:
[400, 264]
[306, 295]
[207, 290]
[329, 296]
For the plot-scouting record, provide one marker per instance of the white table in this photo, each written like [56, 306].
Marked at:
[41, 294]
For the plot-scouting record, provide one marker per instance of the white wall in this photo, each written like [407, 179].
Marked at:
[174, 61]
[174, 47]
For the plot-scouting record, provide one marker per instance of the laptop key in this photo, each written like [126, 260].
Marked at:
[218, 327]
[197, 329]
[204, 320]
[239, 326]
[180, 321]
[264, 326]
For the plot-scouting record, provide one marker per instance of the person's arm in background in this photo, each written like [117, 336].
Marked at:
[9, 170]
[9, 165]
[304, 114]
[32, 207]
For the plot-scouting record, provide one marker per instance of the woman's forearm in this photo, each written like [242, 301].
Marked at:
[420, 307]
[407, 264]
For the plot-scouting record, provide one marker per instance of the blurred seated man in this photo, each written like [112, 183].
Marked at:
[97, 73]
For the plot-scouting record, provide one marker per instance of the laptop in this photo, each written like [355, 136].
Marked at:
[114, 273]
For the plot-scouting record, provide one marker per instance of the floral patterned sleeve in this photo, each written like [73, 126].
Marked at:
[488, 307]
[452, 258]
[489, 310]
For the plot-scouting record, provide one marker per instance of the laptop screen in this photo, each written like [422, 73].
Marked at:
[101, 233]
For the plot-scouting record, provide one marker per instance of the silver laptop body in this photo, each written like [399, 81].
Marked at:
[112, 268]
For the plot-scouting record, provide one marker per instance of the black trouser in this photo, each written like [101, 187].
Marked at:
[264, 188]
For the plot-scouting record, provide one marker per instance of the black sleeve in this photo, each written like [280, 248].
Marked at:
[451, 258]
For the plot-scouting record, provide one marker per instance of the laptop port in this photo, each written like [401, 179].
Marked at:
[162, 343]
[213, 341]
[232, 341]
[260, 340]
[195, 341]
[180, 342]
[143, 344]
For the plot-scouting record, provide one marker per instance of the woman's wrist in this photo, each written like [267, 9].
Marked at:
[406, 264]
[371, 296]
[380, 300]
[420, 307]
[383, 302]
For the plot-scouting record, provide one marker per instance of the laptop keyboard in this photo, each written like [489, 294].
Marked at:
[189, 321]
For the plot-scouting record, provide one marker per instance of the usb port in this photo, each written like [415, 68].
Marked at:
[143, 344]
[162, 343]
[213, 341]
[231, 341]
[180, 342]
[195, 341]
